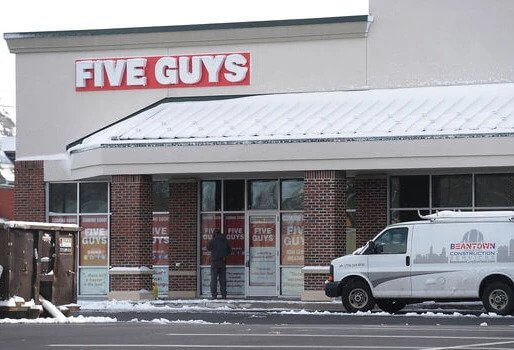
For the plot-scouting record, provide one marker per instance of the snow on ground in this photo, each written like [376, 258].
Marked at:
[72, 319]
[166, 321]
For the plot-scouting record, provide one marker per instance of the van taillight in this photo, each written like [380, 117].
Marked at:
[331, 273]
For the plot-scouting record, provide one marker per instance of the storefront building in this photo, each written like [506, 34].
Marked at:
[299, 139]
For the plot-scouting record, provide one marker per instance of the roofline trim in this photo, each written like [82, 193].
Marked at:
[172, 143]
[188, 27]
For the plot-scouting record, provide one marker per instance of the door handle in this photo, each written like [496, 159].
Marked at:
[407, 260]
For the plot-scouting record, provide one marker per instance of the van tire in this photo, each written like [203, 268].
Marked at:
[390, 305]
[356, 296]
[498, 297]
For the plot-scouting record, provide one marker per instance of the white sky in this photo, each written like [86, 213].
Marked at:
[37, 15]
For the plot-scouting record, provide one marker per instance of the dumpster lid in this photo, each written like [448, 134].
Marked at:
[30, 225]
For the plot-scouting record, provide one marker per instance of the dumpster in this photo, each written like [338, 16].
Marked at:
[38, 260]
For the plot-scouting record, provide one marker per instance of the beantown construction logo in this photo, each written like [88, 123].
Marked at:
[472, 249]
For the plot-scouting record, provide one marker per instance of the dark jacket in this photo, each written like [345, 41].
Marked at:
[219, 248]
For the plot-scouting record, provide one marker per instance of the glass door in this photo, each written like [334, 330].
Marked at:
[261, 256]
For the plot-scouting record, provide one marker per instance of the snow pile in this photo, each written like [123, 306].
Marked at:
[72, 319]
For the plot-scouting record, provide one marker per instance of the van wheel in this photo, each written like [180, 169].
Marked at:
[356, 296]
[390, 306]
[498, 297]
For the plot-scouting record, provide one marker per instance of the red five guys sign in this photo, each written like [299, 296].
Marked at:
[154, 72]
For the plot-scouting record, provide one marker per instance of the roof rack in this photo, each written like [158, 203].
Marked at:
[449, 215]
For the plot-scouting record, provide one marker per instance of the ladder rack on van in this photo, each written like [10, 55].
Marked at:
[448, 215]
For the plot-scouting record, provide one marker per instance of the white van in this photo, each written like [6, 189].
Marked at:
[449, 256]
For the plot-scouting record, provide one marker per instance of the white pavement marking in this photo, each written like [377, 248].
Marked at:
[412, 328]
[511, 339]
[471, 346]
[232, 346]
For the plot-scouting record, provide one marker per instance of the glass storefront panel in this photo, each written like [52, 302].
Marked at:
[235, 281]
[291, 239]
[451, 191]
[291, 281]
[409, 191]
[93, 281]
[211, 195]
[94, 240]
[234, 230]
[291, 197]
[160, 196]
[494, 190]
[262, 194]
[161, 252]
[93, 197]
[234, 195]
[398, 216]
[262, 243]
[209, 224]
[62, 197]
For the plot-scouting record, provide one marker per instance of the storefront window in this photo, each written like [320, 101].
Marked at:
[262, 194]
[495, 190]
[93, 277]
[63, 197]
[211, 195]
[93, 197]
[409, 191]
[291, 194]
[160, 196]
[451, 191]
[234, 195]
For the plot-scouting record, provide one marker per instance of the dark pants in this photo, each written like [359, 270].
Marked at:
[218, 271]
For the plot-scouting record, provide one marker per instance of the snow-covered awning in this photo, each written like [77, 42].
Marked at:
[466, 127]
[408, 113]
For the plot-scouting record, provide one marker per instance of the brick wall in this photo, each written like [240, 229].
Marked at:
[183, 235]
[371, 214]
[7, 202]
[29, 191]
[324, 201]
[131, 229]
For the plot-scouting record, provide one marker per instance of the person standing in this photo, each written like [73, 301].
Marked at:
[220, 249]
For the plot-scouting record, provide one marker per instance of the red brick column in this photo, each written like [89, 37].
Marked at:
[183, 207]
[131, 237]
[371, 214]
[29, 191]
[324, 201]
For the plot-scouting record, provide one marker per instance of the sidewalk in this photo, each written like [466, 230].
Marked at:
[253, 305]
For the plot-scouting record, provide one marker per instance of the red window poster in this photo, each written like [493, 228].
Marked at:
[210, 222]
[235, 232]
[292, 240]
[94, 240]
[161, 239]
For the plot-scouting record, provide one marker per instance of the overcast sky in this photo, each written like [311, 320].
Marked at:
[37, 15]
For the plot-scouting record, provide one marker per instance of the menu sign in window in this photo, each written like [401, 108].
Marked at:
[210, 223]
[161, 239]
[263, 250]
[292, 240]
[235, 233]
[94, 240]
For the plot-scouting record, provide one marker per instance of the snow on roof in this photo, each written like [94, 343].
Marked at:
[446, 111]
[29, 225]
[8, 143]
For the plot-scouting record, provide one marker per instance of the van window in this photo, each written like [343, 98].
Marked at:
[392, 241]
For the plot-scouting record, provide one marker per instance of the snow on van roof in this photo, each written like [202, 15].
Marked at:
[448, 214]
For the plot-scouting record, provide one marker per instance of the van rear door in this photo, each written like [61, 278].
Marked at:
[389, 264]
